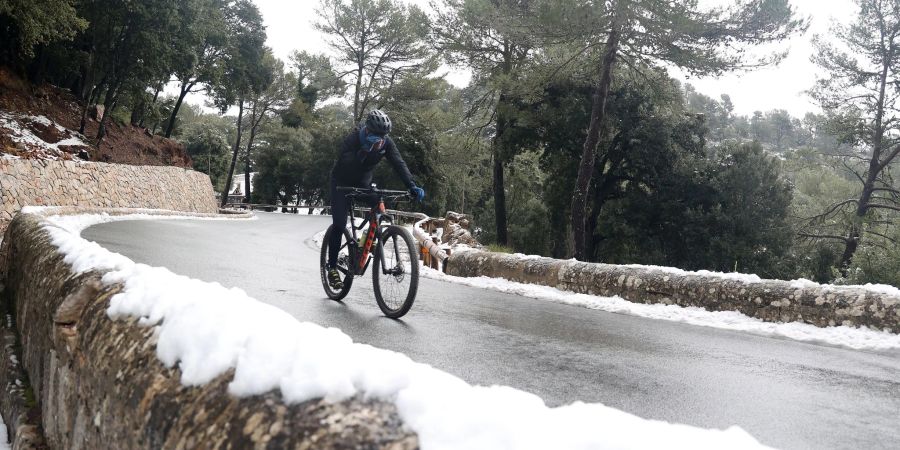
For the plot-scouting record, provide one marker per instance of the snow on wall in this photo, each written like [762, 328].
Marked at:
[875, 307]
[207, 335]
[25, 182]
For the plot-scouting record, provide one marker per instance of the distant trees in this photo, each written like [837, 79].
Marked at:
[206, 138]
[316, 81]
[243, 73]
[266, 103]
[571, 138]
[201, 50]
[860, 89]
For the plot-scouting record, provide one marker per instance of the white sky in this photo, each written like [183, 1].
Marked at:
[289, 27]
[781, 86]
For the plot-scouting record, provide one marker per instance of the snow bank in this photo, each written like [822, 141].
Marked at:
[205, 329]
[841, 336]
[749, 278]
[753, 278]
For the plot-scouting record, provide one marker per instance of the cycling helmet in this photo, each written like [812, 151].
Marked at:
[378, 122]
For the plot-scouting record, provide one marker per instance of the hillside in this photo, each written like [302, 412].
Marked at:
[41, 122]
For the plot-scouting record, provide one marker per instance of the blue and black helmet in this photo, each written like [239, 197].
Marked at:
[378, 122]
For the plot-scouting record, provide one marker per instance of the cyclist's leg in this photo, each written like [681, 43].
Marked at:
[339, 219]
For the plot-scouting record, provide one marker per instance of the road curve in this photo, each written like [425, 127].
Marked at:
[787, 394]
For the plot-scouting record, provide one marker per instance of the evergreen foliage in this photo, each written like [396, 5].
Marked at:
[566, 96]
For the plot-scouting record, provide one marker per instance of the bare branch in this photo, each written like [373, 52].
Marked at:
[831, 210]
[893, 208]
[892, 240]
[822, 236]
[889, 159]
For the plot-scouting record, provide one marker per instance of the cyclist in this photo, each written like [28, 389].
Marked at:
[360, 152]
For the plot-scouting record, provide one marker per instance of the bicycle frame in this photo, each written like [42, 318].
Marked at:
[374, 218]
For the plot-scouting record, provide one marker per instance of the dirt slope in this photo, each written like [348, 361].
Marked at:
[42, 122]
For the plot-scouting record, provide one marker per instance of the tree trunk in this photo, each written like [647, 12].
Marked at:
[152, 102]
[357, 114]
[234, 154]
[84, 111]
[499, 185]
[862, 208]
[875, 168]
[254, 123]
[247, 174]
[589, 152]
[500, 201]
[137, 112]
[185, 89]
[109, 104]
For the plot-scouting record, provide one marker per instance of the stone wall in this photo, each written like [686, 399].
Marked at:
[99, 383]
[770, 300]
[26, 182]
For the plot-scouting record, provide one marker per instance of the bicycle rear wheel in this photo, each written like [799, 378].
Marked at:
[344, 262]
[397, 282]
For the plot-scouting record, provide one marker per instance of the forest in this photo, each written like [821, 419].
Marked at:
[571, 140]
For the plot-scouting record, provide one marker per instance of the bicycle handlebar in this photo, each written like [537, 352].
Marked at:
[370, 191]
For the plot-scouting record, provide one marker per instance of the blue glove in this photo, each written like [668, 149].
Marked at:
[417, 192]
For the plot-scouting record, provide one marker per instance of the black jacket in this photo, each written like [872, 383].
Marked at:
[354, 168]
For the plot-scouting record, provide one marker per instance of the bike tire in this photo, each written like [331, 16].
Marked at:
[346, 269]
[396, 304]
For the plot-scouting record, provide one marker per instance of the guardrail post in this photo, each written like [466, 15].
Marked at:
[434, 261]
[425, 256]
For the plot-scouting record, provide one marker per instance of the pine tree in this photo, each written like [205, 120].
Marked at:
[860, 90]
[647, 33]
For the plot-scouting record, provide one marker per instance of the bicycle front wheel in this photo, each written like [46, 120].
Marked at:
[344, 263]
[397, 280]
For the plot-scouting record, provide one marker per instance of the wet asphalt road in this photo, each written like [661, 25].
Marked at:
[787, 394]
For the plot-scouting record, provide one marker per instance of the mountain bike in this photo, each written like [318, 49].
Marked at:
[395, 275]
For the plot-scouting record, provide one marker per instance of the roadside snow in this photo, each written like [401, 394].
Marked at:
[746, 277]
[841, 336]
[76, 224]
[4, 435]
[879, 288]
[205, 329]
[300, 211]
[753, 278]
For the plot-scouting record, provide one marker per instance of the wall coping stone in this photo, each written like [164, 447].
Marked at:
[769, 300]
[27, 182]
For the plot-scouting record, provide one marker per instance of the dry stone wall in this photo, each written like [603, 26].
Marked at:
[25, 182]
[770, 300]
[99, 383]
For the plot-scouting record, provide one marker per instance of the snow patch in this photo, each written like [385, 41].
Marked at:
[205, 329]
[753, 278]
[20, 133]
[301, 211]
[841, 336]
[75, 224]
[862, 338]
